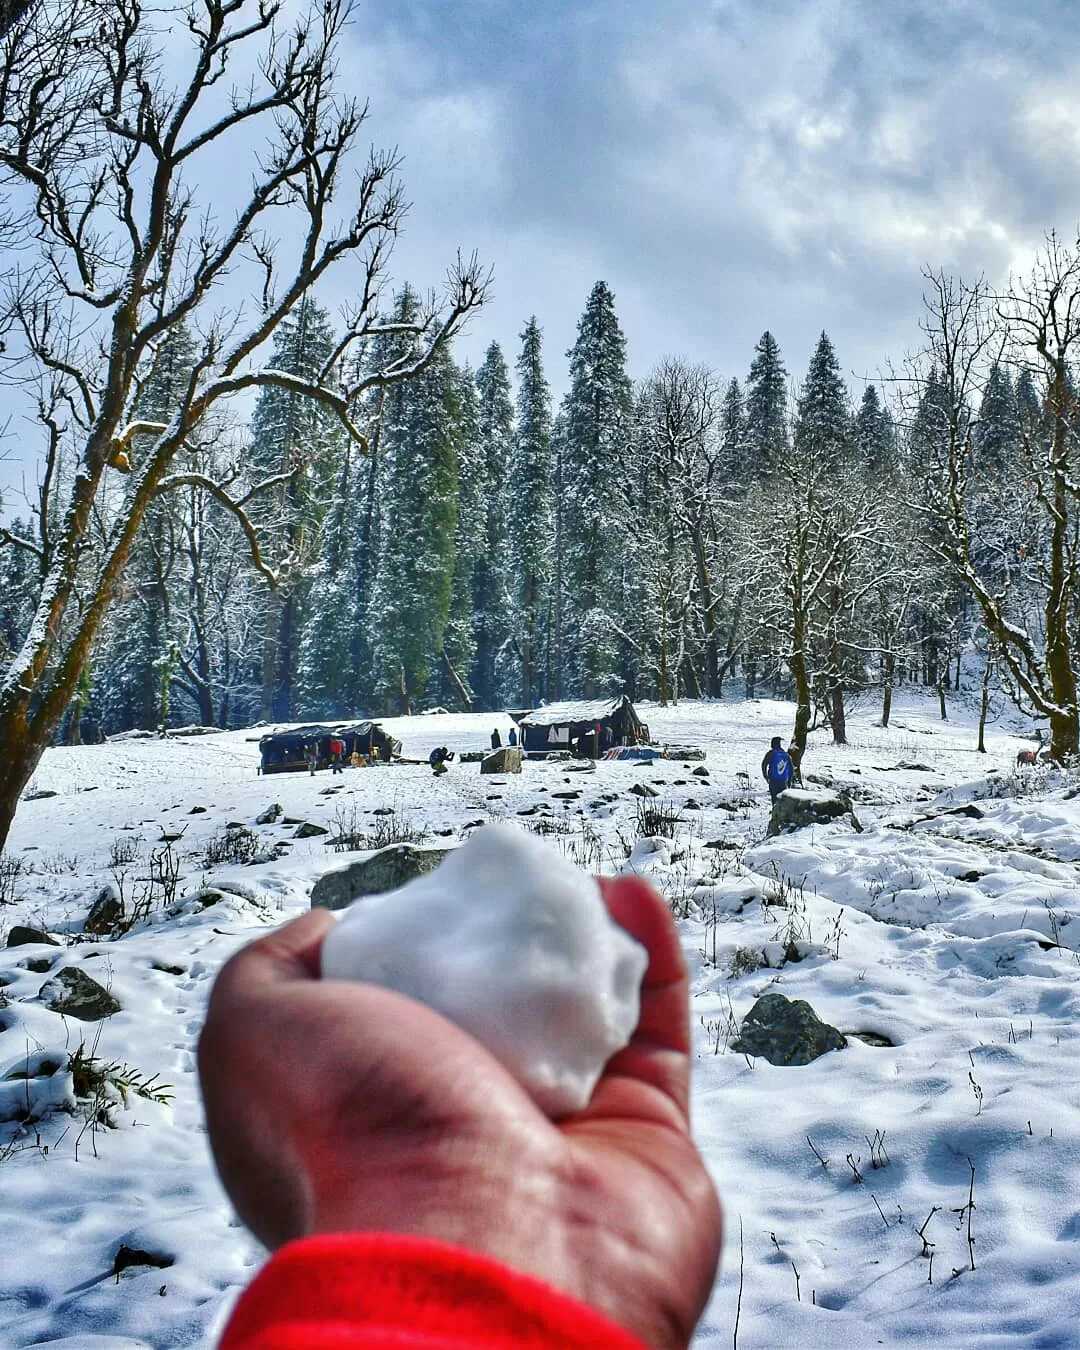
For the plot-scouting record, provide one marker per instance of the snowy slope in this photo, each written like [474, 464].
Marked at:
[948, 939]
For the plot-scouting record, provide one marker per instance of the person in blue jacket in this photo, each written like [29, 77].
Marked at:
[777, 768]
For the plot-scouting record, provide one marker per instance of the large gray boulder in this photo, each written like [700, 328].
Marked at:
[384, 871]
[786, 1031]
[21, 936]
[798, 807]
[75, 994]
[507, 759]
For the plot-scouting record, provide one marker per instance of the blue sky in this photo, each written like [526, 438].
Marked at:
[726, 167]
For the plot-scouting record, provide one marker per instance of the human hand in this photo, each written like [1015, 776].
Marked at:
[335, 1106]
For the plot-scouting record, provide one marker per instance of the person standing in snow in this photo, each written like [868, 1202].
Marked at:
[413, 1194]
[777, 768]
[512, 738]
[496, 739]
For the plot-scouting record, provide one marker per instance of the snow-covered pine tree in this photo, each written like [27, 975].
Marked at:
[302, 438]
[529, 518]
[598, 410]
[325, 676]
[491, 611]
[20, 581]
[131, 675]
[875, 435]
[766, 408]
[459, 645]
[418, 487]
[733, 437]
[824, 443]
[995, 438]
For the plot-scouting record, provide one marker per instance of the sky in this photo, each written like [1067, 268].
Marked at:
[726, 167]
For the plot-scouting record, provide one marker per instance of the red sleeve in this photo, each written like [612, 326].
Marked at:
[375, 1291]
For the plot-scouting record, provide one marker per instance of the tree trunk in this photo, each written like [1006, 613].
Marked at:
[457, 682]
[984, 707]
[404, 701]
[941, 696]
[887, 677]
[708, 619]
[837, 714]
[286, 660]
[801, 677]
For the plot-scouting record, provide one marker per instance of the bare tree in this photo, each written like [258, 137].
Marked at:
[105, 157]
[1014, 540]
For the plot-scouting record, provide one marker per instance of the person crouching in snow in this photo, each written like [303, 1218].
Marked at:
[777, 768]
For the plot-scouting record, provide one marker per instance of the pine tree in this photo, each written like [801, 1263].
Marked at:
[460, 636]
[20, 579]
[733, 435]
[996, 434]
[491, 618]
[139, 653]
[418, 488]
[300, 437]
[529, 516]
[325, 677]
[823, 426]
[766, 407]
[598, 410]
[875, 435]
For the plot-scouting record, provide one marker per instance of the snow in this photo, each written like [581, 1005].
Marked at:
[949, 940]
[512, 942]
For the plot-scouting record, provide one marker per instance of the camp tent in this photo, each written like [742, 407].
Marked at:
[590, 727]
[288, 751]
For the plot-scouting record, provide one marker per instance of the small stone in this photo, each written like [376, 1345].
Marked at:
[127, 1257]
[643, 790]
[270, 815]
[75, 994]
[691, 805]
[197, 811]
[38, 964]
[308, 830]
[700, 772]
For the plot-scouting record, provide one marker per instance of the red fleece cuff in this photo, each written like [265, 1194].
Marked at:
[375, 1291]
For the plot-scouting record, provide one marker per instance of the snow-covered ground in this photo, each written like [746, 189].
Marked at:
[946, 932]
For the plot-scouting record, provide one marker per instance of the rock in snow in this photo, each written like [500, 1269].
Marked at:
[513, 943]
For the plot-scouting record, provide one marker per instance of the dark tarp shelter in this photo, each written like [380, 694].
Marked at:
[589, 726]
[288, 751]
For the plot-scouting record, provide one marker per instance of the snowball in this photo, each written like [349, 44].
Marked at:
[513, 943]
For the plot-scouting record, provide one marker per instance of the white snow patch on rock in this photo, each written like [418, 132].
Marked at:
[513, 943]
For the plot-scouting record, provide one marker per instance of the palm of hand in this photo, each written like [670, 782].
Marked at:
[336, 1107]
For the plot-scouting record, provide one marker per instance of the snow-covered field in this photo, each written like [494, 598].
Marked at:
[949, 938]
